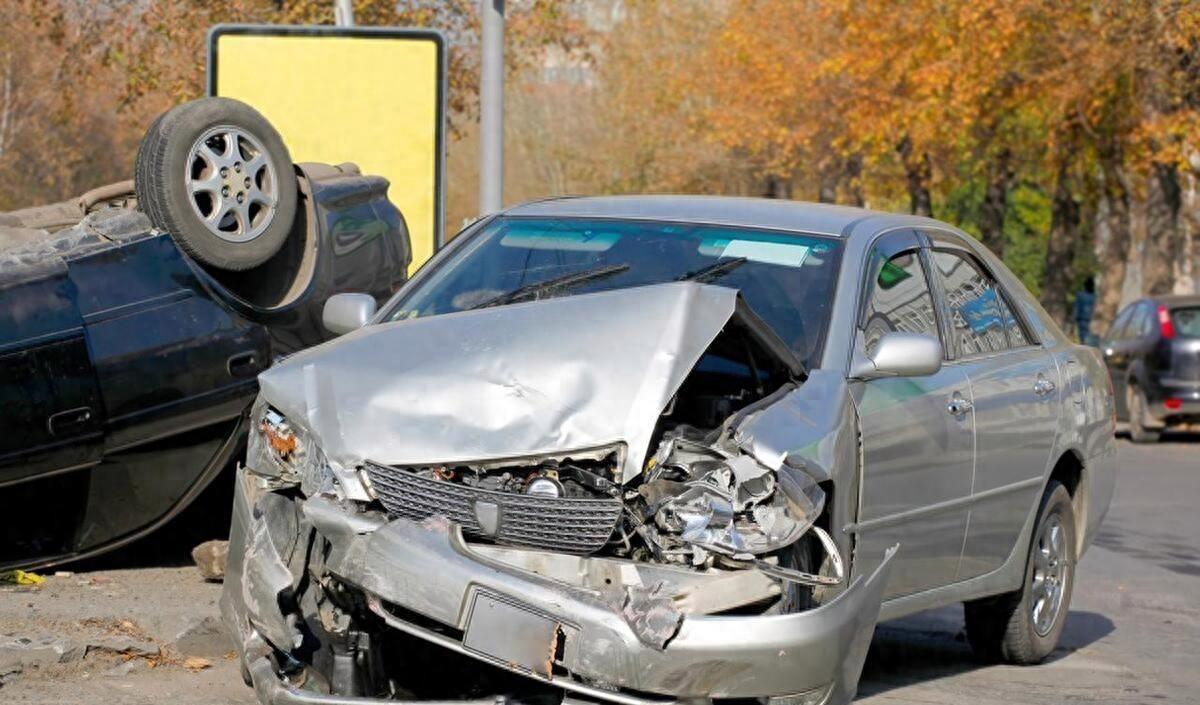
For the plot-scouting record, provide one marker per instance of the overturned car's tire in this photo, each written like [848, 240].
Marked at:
[216, 176]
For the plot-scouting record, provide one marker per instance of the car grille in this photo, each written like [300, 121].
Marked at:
[558, 523]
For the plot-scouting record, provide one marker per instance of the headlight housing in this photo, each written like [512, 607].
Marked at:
[284, 449]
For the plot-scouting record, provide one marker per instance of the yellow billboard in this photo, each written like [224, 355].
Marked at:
[369, 95]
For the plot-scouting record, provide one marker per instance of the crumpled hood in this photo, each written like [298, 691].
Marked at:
[562, 374]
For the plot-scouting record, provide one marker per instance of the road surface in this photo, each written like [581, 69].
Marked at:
[1133, 635]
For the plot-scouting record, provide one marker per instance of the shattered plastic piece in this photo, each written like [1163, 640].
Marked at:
[21, 577]
[651, 614]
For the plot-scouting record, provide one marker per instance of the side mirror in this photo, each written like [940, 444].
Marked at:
[903, 355]
[346, 312]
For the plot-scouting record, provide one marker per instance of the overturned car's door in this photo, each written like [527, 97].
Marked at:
[53, 417]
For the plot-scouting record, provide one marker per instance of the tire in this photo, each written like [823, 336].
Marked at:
[1004, 628]
[216, 176]
[1136, 403]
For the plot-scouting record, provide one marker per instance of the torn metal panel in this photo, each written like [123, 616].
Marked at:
[547, 376]
[802, 429]
[652, 614]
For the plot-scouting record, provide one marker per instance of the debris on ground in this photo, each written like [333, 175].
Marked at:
[21, 577]
[210, 558]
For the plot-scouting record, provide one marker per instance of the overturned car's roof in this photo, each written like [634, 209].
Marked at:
[819, 218]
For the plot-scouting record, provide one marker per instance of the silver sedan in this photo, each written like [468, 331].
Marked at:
[654, 449]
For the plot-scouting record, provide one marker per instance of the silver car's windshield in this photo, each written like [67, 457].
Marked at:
[787, 278]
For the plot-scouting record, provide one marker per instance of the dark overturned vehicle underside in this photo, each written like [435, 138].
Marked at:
[135, 320]
[623, 496]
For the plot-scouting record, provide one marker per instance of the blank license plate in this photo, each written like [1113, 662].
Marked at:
[513, 635]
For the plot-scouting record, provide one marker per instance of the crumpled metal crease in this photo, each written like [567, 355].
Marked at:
[562, 374]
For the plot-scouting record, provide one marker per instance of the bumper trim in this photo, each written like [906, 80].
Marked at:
[376, 606]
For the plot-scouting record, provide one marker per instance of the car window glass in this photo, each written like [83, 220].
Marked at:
[899, 300]
[979, 316]
[1138, 324]
[1117, 331]
[1186, 322]
[1149, 321]
[788, 279]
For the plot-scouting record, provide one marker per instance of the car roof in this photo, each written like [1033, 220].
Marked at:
[775, 214]
[1174, 300]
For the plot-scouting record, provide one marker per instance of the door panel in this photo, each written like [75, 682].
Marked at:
[916, 456]
[1017, 403]
[168, 356]
[917, 451]
[53, 418]
[1016, 388]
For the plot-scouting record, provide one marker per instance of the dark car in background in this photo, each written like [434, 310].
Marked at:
[1153, 355]
[135, 320]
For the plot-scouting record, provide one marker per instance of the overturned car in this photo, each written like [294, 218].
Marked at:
[652, 449]
[135, 319]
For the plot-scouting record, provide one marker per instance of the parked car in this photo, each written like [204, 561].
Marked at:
[647, 449]
[134, 322]
[1153, 356]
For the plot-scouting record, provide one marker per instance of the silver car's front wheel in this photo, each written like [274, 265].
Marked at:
[1024, 626]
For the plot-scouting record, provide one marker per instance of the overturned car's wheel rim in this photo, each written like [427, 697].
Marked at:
[1051, 571]
[231, 183]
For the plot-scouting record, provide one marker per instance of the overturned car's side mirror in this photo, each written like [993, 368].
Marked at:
[346, 312]
[900, 354]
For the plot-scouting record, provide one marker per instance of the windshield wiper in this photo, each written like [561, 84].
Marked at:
[533, 290]
[712, 272]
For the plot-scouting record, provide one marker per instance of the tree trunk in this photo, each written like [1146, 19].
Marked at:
[918, 171]
[1115, 225]
[995, 203]
[1164, 241]
[828, 174]
[853, 176]
[1060, 250]
[778, 188]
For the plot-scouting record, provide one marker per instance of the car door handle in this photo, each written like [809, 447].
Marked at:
[958, 405]
[69, 420]
[1043, 387]
[244, 365]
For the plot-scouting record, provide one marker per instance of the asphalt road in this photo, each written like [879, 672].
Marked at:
[1133, 635]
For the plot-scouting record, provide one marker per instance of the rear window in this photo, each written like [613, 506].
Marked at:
[1186, 321]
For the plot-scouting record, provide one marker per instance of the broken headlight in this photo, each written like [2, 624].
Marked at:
[735, 510]
[701, 503]
[281, 448]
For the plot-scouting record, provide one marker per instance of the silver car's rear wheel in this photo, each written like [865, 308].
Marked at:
[1024, 626]
[1050, 575]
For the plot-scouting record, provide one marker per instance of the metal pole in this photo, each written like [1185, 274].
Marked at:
[343, 13]
[491, 108]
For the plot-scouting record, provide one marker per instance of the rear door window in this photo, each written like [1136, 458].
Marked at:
[980, 318]
[1186, 321]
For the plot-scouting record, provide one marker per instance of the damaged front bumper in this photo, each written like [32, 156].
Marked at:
[616, 644]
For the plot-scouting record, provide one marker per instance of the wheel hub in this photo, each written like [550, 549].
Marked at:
[231, 183]
[1051, 571]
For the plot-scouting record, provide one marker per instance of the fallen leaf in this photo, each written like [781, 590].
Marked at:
[195, 663]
